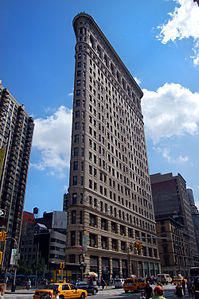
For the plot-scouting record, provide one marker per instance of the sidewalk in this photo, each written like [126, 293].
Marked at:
[21, 291]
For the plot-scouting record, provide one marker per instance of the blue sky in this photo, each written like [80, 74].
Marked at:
[159, 43]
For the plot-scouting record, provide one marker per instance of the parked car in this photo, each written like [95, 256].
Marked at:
[64, 290]
[164, 278]
[90, 288]
[118, 282]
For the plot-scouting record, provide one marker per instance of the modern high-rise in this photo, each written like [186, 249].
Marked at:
[177, 243]
[110, 208]
[16, 131]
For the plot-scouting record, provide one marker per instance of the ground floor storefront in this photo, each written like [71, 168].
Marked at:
[110, 267]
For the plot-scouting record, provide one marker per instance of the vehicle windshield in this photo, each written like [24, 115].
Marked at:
[83, 284]
[52, 287]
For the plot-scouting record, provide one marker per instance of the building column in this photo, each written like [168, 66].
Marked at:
[134, 267]
[100, 267]
[87, 263]
[111, 267]
[120, 263]
[99, 243]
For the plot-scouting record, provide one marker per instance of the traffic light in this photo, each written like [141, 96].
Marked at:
[1, 257]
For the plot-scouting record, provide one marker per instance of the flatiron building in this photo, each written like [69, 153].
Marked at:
[111, 224]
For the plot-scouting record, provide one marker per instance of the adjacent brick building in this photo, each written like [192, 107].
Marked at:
[177, 242]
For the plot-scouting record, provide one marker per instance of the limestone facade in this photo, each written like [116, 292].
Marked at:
[109, 202]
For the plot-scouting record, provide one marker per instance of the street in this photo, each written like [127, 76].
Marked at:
[107, 294]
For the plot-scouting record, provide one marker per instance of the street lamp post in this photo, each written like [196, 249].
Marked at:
[82, 269]
[13, 262]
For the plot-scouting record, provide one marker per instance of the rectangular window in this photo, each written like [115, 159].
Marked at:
[74, 198]
[76, 138]
[78, 92]
[75, 165]
[76, 151]
[75, 180]
[72, 237]
[73, 217]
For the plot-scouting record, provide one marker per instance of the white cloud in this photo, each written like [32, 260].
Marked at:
[52, 138]
[166, 154]
[171, 110]
[183, 23]
[70, 94]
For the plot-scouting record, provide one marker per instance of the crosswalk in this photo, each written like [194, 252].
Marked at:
[169, 293]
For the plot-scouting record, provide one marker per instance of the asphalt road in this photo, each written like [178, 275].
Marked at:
[108, 294]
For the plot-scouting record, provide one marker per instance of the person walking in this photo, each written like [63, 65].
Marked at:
[190, 288]
[103, 283]
[184, 286]
[148, 291]
[28, 284]
[158, 292]
[196, 288]
[179, 291]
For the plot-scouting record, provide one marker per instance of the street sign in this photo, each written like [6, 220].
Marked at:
[13, 259]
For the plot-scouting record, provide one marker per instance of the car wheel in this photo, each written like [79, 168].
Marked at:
[94, 292]
[61, 297]
[82, 296]
[126, 291]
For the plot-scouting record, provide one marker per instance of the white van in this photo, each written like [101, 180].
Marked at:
[164, 278]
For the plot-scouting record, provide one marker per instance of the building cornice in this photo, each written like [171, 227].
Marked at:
[116, 56]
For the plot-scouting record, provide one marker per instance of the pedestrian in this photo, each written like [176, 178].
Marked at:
[179, 291]
[142, 295]
[196, 288]
[158, 292]
[190, 288]
[183, 286]
[28, 284]
[103, 283]
[148, 291]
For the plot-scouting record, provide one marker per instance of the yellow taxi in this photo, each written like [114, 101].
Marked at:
[177, 279]
[64, 290]
[133, 284]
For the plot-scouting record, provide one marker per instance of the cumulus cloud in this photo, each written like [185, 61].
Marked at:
[166, 154]
[52, 138]
[171, 110]
[183, 23]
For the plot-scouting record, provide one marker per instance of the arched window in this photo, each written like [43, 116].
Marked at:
[128, 90]
[118, 77]
[92, 42]
[123, 83]
[99, 51]
[112, 69]
[106, 60]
